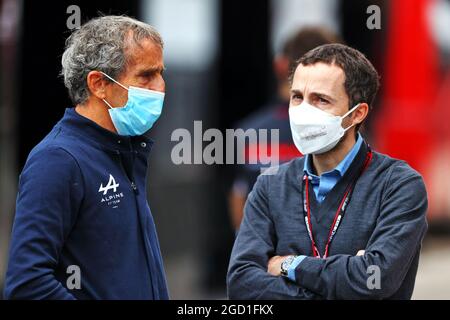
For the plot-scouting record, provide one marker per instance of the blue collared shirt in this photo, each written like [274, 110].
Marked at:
[323, 184]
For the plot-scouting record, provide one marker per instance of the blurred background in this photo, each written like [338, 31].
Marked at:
[227, 64]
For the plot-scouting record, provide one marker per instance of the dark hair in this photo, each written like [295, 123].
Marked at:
[361, 78]
[305, 39]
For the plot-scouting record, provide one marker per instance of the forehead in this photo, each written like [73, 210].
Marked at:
[319, 77]
[146, 54]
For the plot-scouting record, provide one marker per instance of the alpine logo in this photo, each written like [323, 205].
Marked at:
[112, 199]
[111, 185]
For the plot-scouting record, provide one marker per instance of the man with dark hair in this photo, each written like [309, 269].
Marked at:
[274, 115]
[342, 222]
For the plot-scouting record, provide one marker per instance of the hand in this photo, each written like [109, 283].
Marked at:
[274, 266]
[360, 253]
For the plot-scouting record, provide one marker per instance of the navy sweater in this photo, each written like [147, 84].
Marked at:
[385, 217]
[82, 202]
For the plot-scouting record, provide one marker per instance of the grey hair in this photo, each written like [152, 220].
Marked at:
[101, 44]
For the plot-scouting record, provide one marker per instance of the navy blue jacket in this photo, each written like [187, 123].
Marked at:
[82, 204]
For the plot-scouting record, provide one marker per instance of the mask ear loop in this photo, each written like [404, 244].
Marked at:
[115, 82]
[107, 104]
[349, 112]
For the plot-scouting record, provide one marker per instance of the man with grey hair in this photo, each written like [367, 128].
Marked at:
[83, 228]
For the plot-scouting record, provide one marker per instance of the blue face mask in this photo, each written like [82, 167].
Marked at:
[140, 112]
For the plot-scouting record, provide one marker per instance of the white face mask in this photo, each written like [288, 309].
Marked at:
[315, 131]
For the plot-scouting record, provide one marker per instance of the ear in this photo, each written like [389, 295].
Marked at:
[281, 67]
[360, 114]
[97, 83]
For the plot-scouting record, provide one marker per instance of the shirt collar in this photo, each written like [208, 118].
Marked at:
[342, 167]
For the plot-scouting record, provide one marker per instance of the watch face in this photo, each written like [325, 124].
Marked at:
[286, 263]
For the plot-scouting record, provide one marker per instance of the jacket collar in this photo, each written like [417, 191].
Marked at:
[101, 137]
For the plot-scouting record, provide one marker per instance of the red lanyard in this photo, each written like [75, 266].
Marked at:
[339, 212]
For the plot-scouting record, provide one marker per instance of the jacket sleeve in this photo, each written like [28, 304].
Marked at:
[50, 191]
[255, 244]
[391, 249]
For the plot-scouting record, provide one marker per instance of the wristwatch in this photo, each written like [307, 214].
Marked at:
[286, 264]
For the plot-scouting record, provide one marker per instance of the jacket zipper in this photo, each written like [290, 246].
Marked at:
[136, 192]
[132, 184]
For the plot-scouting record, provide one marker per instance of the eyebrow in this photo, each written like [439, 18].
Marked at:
[151, 70]
[319, 94]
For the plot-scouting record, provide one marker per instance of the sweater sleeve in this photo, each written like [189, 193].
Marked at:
[50, 191]
[254, 246]
[391, 249]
